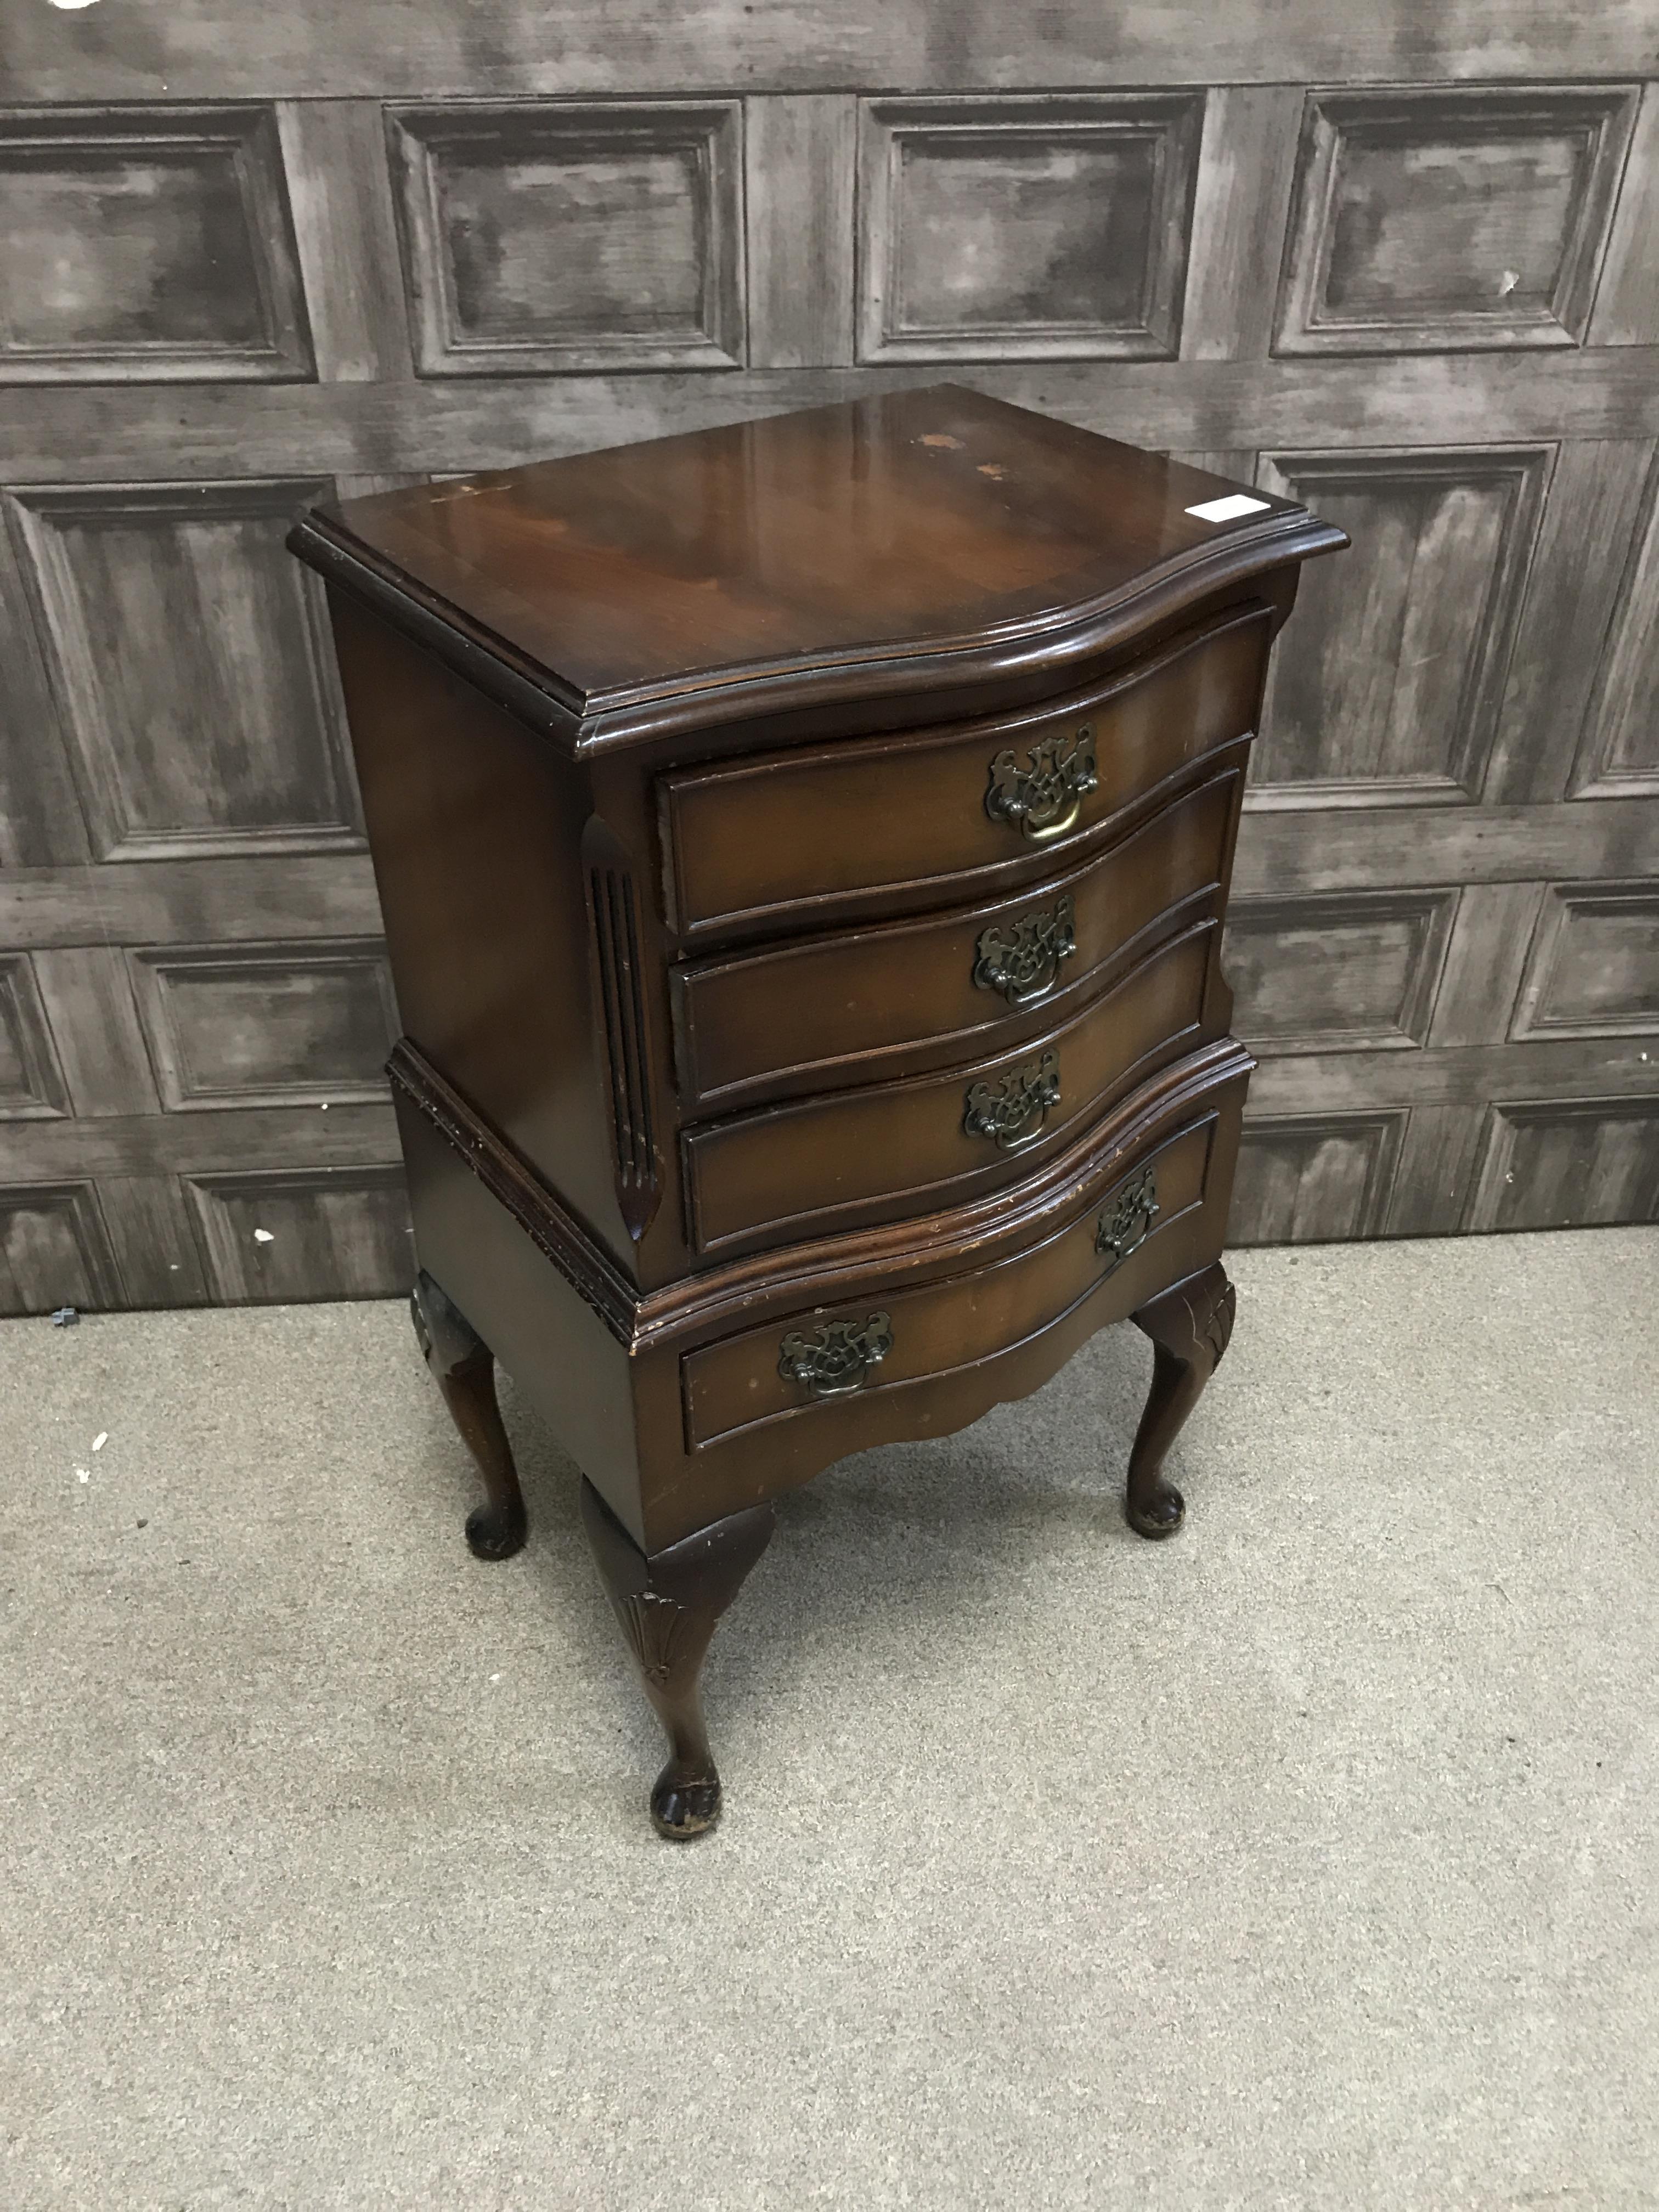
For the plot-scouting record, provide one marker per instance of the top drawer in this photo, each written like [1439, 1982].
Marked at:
[796, 836]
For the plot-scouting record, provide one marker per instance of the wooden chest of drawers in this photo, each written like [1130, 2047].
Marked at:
[804, 847]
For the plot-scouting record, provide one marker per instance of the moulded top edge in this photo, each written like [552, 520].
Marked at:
[1074, 636]
[605, 723]
[837, 553]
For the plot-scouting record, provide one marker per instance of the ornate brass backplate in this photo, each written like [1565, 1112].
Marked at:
[1023, 964]
[1044, 798]
[1125, 1218]
[837, 1358]
[1011, 1115]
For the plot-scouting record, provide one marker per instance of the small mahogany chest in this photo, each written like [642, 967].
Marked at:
[804, 849]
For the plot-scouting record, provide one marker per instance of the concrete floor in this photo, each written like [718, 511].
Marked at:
[1308, 1861]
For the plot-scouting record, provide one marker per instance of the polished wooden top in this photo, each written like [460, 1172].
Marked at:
[817, 546]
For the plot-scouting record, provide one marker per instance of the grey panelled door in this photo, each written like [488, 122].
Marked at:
[246, 255]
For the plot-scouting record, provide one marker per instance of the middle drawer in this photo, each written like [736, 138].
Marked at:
[865, 1004]
[849, 1158]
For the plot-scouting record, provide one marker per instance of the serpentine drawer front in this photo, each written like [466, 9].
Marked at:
[804, 849]
[910, 1147]
[801, 837]
[769, 1374]
[864, 1003]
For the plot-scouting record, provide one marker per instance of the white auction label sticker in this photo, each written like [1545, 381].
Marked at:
[1228, 509]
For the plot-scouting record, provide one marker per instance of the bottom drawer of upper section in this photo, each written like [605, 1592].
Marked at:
[1145, 1223]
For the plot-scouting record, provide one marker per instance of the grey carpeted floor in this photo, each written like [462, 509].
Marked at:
[1308, 1861]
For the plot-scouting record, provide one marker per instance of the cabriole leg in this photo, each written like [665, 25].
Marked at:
[668, 1606]
[1189, 1326]
[465, 1369]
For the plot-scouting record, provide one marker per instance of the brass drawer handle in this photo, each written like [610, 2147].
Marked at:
[1011, 1115]
[1126, 1219]
[1025, 965]
[837, 1358]
[1045, 798]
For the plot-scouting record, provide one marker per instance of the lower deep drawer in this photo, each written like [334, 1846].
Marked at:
[804, 1366]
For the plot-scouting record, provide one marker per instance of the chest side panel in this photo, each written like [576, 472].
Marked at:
[476, 831]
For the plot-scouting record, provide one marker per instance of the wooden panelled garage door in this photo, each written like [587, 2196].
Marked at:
[1401, 261]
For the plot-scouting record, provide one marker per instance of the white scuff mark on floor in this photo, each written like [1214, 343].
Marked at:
[264, 1237]
[100, 1440]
